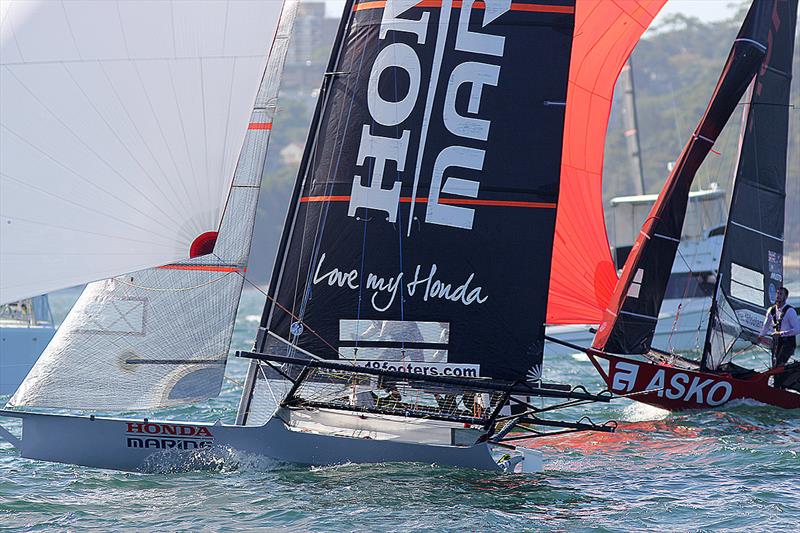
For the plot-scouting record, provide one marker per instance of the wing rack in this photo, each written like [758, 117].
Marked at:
[325, 384]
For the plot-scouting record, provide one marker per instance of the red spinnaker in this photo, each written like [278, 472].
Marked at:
[583, 274]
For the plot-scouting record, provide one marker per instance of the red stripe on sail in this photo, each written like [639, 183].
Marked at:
[535, 8]
[260, 126]
[448, 201]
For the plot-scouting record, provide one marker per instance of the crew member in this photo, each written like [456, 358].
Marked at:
[782, 325]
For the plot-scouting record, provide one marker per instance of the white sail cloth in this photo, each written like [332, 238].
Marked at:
[160, 337]
[120, 128]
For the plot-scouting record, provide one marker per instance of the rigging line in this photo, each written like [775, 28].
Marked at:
[122, 143]
[269, 386]
[675, 115]
[399, 224]
[28, 185]
[293, 220]
[363, 260]
[329, 186]
[292, 315]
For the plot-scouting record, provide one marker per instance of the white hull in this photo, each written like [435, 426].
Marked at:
[20, 347]
[133, 445]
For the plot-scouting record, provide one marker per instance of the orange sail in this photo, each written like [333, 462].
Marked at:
[583, 275]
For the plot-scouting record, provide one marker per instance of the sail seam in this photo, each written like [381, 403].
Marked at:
[648, 317]
[756, 231]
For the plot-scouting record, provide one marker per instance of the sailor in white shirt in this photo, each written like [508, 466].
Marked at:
[782, 324]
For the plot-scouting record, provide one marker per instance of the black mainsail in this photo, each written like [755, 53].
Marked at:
[751, 262]
[420, 234]
[630, 320]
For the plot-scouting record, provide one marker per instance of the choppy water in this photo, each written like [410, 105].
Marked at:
[732, 469]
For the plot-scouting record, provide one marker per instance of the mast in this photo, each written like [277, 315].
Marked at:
[631, 123]
[415, 185]
[751, 260]
[630, 320]
[289, 222]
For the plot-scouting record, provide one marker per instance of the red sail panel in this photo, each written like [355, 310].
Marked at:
[583, 274]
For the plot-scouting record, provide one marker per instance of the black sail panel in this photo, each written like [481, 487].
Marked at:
[422, 232]
[751, 263]
[629, 323]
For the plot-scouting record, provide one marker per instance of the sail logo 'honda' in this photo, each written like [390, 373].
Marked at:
[368, 191]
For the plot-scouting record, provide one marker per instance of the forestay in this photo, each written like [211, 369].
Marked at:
[751, 263]
[160, 337]
[420, 234]
[121, 125]
[630, 319]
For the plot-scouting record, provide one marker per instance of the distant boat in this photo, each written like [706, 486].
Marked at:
[26, 327]
[691, 283]
[750, 264]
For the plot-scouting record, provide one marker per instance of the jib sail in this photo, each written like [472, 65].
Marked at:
[751, 263]
[421, 231]
[630, 320]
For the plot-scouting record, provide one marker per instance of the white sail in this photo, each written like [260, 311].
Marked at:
[120, 128]
[159, 337]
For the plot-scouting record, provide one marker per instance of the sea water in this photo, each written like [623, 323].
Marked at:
[735, 468]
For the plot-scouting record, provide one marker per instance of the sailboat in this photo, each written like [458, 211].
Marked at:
[750, 266]
[405, 316]
[26, 327]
